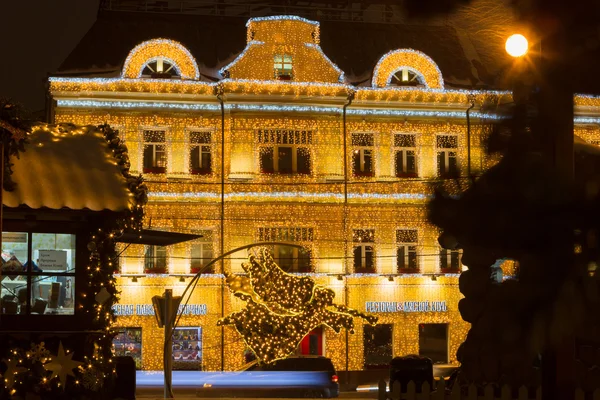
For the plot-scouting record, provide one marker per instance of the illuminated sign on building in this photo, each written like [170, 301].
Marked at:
[405, 306]
[147, 309]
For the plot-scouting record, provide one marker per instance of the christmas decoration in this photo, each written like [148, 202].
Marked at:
[170, 50]
[62, 365]
[92, 377]
[282, 308]
[12, 369]
[38, 352]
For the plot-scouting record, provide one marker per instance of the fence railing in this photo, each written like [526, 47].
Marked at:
[439, 391]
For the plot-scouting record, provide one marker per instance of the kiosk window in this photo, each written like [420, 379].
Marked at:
[128, 342]
[187, 348]
[42, 282]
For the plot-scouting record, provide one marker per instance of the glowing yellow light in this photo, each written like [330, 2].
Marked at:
[517, 45]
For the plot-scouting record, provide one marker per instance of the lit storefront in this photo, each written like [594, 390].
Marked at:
[260, 155]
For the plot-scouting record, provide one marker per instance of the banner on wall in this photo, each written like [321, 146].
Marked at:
[405, 306]
[148, 309]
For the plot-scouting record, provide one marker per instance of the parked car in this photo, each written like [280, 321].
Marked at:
[411, 368]
[298, 376]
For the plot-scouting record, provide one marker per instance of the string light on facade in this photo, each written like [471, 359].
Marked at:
[271, 108]
[171, 50]
[417, 61]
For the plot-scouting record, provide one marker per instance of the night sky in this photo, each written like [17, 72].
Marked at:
[37, 35]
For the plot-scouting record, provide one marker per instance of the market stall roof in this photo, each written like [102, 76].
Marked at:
[155, 238]
[66, 166]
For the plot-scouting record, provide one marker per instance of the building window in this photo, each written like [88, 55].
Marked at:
[155, 155]
[405, 77]
[405, 154]
[450, 261]
[201, 153]
[187, 349]
[378, 345]
[433, 342]
[155, 260]
[364, 250]
[406, 250]
[128, 342]
[160, 68]
[49, 270]
[447, 164]
[284, 151]
[202, 254]
[362, 154]
[282, 67]
[289, 258]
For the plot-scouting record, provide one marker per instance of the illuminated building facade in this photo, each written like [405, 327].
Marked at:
[283, 148]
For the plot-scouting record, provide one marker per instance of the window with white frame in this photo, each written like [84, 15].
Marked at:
[406, 250]
[160, 67]
[283, 67]
[405, 155]
[447, 163]
[284, 151]
[155, 260]
[405, 77]
[362, 154]
[290, 258]
[200, 153]
[155, 152]
[201, 253]
[364, 250]
[450, 261]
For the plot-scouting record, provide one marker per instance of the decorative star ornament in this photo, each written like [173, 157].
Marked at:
[61, 365]
[12, 369]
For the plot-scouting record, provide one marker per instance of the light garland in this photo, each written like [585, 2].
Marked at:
[281, 18]
[171, 50]
[587, 120]
[282, 308]
[272, 108]
[417, 61]
[145, 85]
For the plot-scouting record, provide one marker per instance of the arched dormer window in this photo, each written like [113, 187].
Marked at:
[160, 58]
[407, 67]
[405, 77]
[160, 67]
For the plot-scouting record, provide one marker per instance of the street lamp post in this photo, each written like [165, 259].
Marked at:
[165, 308]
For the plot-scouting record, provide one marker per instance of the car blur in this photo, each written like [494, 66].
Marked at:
[298, 376]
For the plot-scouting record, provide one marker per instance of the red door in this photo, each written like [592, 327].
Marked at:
[312, 344]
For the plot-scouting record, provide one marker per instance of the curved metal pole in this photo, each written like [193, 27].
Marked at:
[174, 320]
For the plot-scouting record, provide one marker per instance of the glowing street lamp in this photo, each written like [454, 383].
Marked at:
[516, 45]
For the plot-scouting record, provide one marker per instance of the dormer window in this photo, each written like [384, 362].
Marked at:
[405, 77]
[160, 68]
[282, 67]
